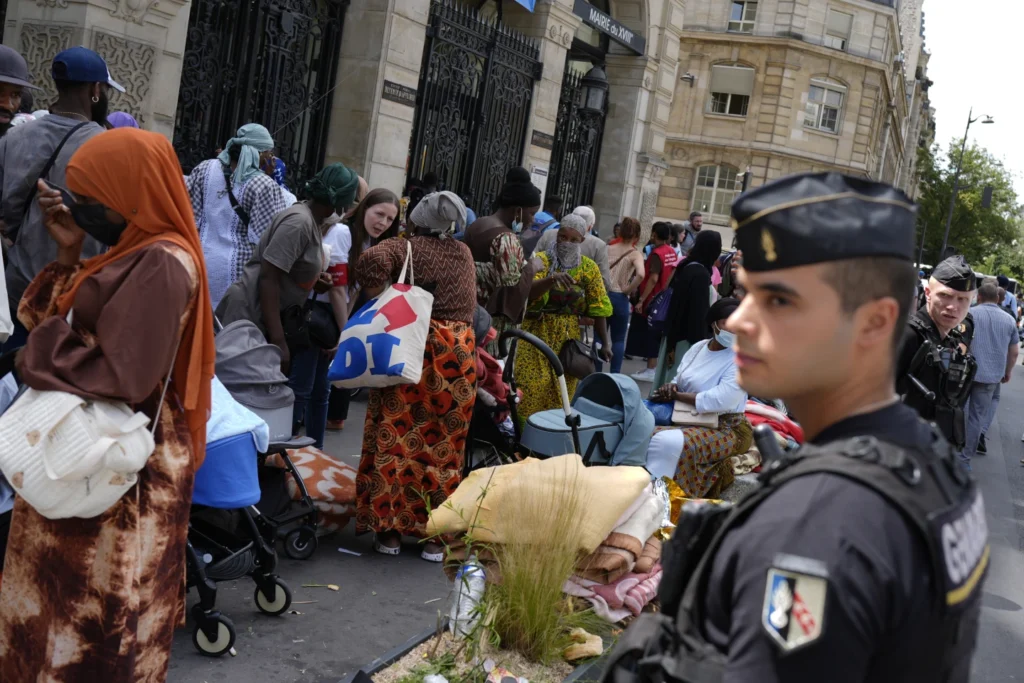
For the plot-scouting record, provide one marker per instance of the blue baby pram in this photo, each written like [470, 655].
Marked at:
[228, 538]
[606, 422]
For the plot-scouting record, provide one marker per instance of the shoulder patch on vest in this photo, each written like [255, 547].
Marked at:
[794, 606]
[961, 534]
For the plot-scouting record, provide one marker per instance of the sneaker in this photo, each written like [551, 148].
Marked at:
[645, 376]
[982, 448]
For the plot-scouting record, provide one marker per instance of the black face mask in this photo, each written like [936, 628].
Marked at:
[92, 218]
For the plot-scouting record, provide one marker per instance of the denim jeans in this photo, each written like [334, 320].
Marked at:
[979, 416]
[619, 324]
[312, 392]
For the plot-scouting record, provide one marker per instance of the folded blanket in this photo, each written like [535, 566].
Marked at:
[626, 596]
[758, 413]
[606, 564]
[625, 544]
[230, 418]
[650, 556]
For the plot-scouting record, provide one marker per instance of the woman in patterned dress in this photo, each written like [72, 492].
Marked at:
[700, 458]
[98, 599]
[567, 286]
[414, 438]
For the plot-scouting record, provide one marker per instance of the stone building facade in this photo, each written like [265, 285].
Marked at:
[384, 42]
[143, 42]
[147, 43]
[777, 87]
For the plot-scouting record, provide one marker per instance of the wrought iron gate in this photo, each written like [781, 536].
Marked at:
[578, 134]
[472, 103]
[272, 62]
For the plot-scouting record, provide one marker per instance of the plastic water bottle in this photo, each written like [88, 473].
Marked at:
[470, 583]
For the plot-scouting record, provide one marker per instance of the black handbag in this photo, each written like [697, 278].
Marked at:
[310, 325]
[577, 359]
[324, 332]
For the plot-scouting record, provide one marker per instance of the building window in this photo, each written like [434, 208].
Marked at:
[824, 106]
[742, 18]
[837, 29]
[716, 189]
[731, 87]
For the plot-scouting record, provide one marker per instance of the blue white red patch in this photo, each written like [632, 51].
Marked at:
[794, 607]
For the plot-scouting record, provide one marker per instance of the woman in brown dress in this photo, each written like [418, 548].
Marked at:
[415, 435]
[98, 599]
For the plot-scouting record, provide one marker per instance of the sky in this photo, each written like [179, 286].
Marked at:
[975, 56]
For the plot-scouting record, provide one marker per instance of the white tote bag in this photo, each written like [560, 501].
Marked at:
[383, 342]
[72, 457]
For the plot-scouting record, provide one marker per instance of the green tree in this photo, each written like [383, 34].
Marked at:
[976, 232]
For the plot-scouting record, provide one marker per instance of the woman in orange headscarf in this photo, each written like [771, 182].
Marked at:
[98, 599]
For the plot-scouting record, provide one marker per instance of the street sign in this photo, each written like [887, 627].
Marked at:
[605, 24]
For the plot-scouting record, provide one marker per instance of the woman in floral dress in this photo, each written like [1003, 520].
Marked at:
[414, 440]
[567, 286]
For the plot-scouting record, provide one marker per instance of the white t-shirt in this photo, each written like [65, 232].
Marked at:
[339, 239]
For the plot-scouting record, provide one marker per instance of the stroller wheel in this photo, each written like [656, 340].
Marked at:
[301, 543]
[224, 641]
[278, 603]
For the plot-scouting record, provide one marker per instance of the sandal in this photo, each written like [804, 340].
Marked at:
[335, 425]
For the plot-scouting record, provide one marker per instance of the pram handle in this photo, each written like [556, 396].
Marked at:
[551, 356]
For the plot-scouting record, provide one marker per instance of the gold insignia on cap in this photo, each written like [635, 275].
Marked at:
[768, 246]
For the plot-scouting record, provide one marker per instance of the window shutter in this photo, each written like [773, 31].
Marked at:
[735, 80]
[839, 23]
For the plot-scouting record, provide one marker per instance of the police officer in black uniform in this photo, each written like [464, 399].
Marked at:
[935, 370]
[861, 556]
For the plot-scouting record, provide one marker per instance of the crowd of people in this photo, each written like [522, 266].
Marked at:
[118, 264]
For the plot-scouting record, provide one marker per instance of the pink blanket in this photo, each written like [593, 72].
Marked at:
[620, 599]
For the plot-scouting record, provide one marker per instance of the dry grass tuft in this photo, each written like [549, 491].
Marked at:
[540, 532]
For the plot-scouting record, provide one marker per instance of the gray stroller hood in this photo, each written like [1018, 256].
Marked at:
[250, 367]
[604, 390]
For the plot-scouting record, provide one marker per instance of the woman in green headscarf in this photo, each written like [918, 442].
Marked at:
[278, 282]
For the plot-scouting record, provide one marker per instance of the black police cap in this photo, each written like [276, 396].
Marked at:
[956, 274]
[819, 217]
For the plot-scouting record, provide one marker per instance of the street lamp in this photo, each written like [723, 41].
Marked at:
[956, 180]
[594, 90]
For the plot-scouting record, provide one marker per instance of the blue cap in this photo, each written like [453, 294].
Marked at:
[82, 65]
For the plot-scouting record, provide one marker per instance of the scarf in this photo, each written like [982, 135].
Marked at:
[565, 256]
[136, 173]
[440, 212]
[253, 139]
[335, 185]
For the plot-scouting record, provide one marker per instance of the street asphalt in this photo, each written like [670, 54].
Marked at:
[382, 601]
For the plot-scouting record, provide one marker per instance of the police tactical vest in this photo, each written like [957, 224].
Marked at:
[936, 497]
[945, 370]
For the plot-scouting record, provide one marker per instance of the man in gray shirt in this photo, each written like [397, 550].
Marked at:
[82, 81]
[995, 348]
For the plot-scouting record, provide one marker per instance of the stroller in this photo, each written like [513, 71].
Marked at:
[229, 537]
[249, 368]
[606, 421]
